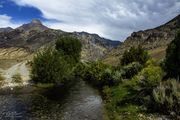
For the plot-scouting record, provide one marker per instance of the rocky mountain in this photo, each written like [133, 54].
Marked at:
[28, 38]
[7, 29]
[35, 25]
[154, 40]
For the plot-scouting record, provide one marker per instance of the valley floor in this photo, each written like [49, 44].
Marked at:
[25, 102]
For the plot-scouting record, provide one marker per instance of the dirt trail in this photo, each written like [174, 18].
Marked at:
[19, 68]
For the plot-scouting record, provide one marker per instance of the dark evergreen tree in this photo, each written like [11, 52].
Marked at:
[70, 47]
[172, 61]
[134, 55]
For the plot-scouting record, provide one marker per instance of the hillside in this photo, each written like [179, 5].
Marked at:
[23, 41]
[154, 40]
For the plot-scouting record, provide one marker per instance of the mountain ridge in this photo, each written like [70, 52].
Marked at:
[34, 35]
[154, 40]
[6, 29]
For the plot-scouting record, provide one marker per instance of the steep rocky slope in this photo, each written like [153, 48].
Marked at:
[28, 38]
[7, 29]
[154, 40]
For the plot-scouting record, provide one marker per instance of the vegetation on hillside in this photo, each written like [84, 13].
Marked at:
[98, 74]
[172, 66]
[134, 55]
[55, 65]
[70, 47]
[133, 89]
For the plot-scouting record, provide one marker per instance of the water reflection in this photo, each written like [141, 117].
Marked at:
[80, 103]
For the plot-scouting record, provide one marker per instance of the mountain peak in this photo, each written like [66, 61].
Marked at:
[36, 21]
[35, 24]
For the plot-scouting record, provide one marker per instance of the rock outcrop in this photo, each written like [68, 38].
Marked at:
[154, 40]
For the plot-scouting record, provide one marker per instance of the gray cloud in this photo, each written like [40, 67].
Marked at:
[114, 19]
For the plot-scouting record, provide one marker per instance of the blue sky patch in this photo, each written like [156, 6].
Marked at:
[114, 19]
[19, 13]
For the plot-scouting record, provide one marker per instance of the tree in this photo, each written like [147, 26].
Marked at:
[172, 60]
[135, 55]
[49, 66]
[56, 65]
[70, 47]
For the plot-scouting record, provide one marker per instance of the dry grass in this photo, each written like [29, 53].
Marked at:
[1, 80]
[112, 60]
[16, 78]
[158, 54]
[13, 53]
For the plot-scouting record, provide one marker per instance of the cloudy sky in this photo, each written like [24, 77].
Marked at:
[113, 19]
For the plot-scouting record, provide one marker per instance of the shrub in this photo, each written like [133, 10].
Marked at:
[93, 72]
[145, 82]
[16, 78]
[80, 69]
[117, 77]
[150, 77]
[172, 66]
[135, 55]
[70, 47]
[1, 80]
[167, 97]
[99, 74]
[130, 70]
[110, 77]
[49, 66]
[106, 94]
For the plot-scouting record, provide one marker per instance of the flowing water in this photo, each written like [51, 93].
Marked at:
[81, 102]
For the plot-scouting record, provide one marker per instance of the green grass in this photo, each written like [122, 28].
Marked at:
[120, 103]
[47, 85]
[120, 106]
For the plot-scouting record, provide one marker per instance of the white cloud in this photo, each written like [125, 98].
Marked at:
[114, 19]
[5, 21]
[91, 28]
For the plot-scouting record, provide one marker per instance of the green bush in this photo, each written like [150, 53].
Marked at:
[49, 66]
[56, 65]
[150, 76]
[110, 77]
[80, 70]
[93, 72]
[135, 55]
[172, 60]
[130, 70]
[145, 82]
[167, 97]
[16, 78]
[99, 74]
[117, 77]
[70, 47]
